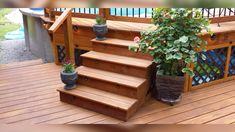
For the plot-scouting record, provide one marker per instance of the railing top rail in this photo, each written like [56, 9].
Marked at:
[58, 22]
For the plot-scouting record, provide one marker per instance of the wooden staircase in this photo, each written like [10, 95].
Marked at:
[112, 80]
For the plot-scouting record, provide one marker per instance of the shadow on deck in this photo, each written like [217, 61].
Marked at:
[28, 95]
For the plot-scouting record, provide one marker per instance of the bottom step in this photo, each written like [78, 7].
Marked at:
[107, 103]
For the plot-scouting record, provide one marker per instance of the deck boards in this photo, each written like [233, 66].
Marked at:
[28, 95]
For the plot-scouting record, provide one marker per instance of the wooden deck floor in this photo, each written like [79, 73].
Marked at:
[28, 95]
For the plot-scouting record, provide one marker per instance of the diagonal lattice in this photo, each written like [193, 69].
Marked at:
[61, 53]
[232, 62]
[210, 69]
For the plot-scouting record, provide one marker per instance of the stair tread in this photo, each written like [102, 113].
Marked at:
[118, 42]
[130, 61]
[96, 95]
[122, 79]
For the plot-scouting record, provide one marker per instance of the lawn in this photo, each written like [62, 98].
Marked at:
[5, 24]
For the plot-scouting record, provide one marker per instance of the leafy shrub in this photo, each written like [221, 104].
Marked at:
[175, 41]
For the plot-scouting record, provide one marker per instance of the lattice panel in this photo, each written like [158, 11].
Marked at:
[210, 69]
[61, 53]
[232, 62]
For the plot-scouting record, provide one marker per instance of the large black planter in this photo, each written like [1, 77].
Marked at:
[100, 31]
[169, 88]
[69, 79]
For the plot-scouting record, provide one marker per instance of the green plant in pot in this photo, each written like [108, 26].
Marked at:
[68, 75]
[100, 28]
[173, 44]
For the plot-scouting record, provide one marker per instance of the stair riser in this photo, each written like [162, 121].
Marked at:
[109, 86]
[96, 106]
[113, 67]
[143, 89]
[113, 49]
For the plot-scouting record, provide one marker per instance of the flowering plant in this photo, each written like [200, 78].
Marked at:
[68, 67]
[136, 39]
[175, 41]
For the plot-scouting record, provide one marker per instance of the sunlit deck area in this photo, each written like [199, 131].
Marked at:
[28, 95]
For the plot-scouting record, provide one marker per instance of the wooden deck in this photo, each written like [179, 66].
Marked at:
[138, 27]
[28, 95]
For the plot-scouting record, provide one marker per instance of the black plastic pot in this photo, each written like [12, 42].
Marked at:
[169, 88]
[69, 79]
[100, 31]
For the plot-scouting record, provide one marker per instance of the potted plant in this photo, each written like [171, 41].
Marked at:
[100, 28]
[68, 75]
[173, 44]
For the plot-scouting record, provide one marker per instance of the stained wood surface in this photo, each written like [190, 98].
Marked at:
[22, 64]
[121, 79]
[100, 96]
[28, 95]
[118, 42]
[58, 22]
[118, 59]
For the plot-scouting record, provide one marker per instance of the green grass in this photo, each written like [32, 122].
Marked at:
[5, 24]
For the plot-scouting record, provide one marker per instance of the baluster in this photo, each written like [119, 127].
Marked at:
[51, 14]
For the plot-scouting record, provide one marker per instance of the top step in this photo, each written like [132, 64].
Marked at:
[122, 60]
[116, 42]
[118, 47]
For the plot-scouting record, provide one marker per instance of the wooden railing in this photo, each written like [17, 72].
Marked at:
[65, 20]
[79, 12]
[218, 15]
[143, 15]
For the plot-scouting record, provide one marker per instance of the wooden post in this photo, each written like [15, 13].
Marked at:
[68, 38]
[66, 20]
[188, 81]
[46, 12]
[54, 49]
[226, 70]
[51, 14]
[104, 12]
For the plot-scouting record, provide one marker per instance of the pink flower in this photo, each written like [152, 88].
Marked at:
[136, 39]
[66, 61]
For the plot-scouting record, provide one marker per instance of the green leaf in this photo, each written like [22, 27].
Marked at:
[176, 41]
[185, 50]
[178, 56]
[188, 60]
[188, 71]
[183, 39]
[157, 60]
[133, 48]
